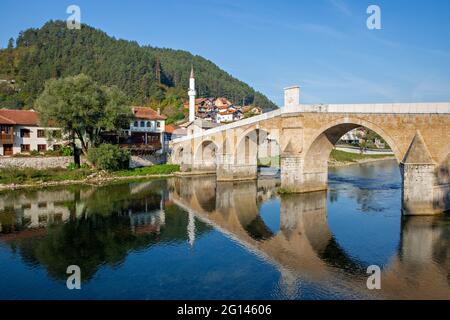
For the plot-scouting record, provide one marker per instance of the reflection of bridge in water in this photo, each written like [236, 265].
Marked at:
[304, 247]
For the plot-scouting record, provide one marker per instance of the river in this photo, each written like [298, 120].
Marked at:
[193, 238]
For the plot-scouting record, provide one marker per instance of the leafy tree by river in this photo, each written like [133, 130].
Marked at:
[83, 108]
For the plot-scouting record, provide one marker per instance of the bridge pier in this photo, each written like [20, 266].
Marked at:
[203, 166]
[296, 179]
[186, 161]
[421, 194]
[229, 170]
[426, 187]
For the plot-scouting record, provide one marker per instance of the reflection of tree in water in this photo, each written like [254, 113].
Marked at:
[120, 197]
[8, 221]
[102, 234]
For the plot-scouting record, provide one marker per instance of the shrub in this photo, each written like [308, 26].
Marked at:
[66, 151]
[52, 153]
[71, 166]
[84, 166]
[109, 157]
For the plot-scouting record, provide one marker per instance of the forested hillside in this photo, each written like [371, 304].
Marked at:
[148, 75]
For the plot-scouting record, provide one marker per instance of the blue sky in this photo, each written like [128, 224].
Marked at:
[322, 45]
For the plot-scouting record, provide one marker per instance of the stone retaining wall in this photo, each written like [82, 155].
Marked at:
[146, 160]
[62, 162]
[35, 162]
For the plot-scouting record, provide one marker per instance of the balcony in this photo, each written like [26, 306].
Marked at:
[154, 129]
[6, 138]
[141, 148]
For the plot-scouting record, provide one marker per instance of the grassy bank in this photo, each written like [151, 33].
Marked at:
[31, 176]
[336, 157]
[145, 171]
[342, 156]
[269, 161]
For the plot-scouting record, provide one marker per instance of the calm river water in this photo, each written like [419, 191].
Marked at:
[193, 238]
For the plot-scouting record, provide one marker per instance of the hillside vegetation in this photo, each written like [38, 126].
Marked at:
[148, 75]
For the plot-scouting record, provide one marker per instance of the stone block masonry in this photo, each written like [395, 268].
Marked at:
[35, 162]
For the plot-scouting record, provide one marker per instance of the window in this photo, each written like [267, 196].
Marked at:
[24, 133]
[158, 124]
[136, 124]
[142, 124]
[5, 129]
[149, 124]
[42, 147]
[24, 148]
[40, 133]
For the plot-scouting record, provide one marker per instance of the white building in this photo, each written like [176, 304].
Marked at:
[224, 116]
[146, 132]
[20, 133]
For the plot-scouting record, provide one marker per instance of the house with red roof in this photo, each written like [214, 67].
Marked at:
[20, 132]
[147, 133]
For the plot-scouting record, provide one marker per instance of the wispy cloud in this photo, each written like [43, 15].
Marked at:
[263, 22]
[322, 29]
[341, 6]
[431, 87]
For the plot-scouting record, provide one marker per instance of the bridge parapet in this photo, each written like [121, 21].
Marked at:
[384, 108]
[378, 108]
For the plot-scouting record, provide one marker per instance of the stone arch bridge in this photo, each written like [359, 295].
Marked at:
[418, 134]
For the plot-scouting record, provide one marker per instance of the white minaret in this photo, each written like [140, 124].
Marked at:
[192, 95]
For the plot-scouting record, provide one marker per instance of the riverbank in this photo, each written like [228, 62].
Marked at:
[13, 178]
[339, 158]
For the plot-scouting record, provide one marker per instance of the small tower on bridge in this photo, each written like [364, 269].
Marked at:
[192, 93]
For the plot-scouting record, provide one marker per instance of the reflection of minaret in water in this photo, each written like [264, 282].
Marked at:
[288, 284]
[191, 229]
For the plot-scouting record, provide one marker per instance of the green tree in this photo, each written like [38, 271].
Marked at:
[109, 157]
[11, 43]
[83, 108]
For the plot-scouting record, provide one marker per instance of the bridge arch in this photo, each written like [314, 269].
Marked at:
[205, 155]
[336, 129]
[248, 147]
[178, 155]
[317, 152]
